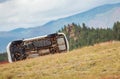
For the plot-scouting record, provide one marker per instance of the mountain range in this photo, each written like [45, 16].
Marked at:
[100, 17]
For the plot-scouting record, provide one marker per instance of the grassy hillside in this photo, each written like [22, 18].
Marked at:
[101, 61]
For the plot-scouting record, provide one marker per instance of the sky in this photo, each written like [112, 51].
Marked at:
[30, 13]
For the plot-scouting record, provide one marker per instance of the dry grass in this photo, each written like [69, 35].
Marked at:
[101, 61]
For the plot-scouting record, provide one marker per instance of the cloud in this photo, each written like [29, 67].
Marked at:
[30, 13]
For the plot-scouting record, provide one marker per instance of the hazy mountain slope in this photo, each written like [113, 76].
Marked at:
[105, 20]
[101, 61]
[88, 16]
[102, 16]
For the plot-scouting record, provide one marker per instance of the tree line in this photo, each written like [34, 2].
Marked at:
[81, 35]
[3, 57]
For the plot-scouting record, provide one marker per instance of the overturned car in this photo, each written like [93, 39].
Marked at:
[37, 46]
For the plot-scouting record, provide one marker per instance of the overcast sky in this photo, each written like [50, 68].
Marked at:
[31, 13]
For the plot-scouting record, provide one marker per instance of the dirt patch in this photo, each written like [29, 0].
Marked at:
[3, 62]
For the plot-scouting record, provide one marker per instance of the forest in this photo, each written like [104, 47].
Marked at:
[3, 57]
[82, 35]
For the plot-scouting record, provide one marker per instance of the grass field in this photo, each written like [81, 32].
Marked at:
[101, 61]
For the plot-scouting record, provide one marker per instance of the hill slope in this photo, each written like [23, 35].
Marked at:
[101, 61]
